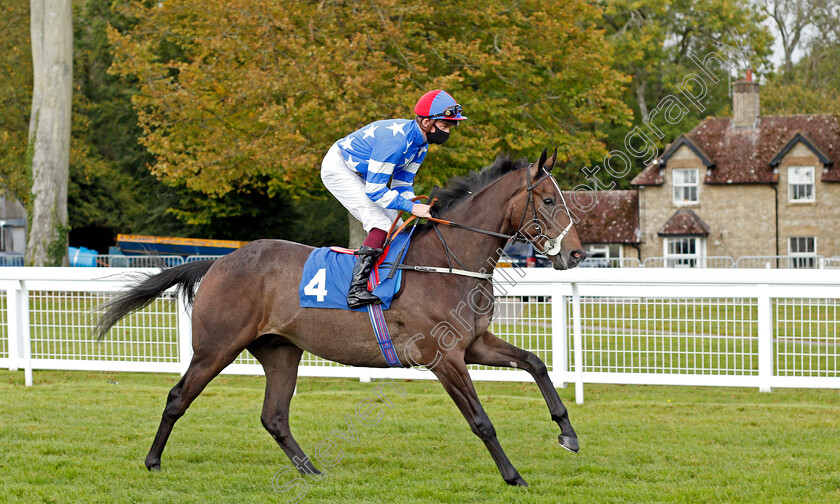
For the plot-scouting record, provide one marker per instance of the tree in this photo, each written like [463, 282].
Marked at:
[792, 18]
[239, 96]
[807, 86]
[49, 131]
[15, 97]
[656, 39]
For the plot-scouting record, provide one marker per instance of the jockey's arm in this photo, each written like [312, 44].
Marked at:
[376, 187]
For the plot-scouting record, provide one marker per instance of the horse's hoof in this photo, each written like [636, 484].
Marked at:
[153, 465]
[517, 481]
[311, 471]
[569, 443]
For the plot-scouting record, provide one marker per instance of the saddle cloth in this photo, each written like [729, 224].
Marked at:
[328, 271]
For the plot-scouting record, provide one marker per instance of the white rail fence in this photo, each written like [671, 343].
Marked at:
[730, 327]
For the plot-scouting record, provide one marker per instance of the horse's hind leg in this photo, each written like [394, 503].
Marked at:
[491, 350]
[454, 377]
[202, 369]
[280, 360]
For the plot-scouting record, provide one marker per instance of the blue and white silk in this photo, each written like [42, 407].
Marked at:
[382, 150]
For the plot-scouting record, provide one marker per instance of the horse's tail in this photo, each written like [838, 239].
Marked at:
[150, 286]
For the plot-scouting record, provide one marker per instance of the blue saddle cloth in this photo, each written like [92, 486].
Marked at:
[327, 274]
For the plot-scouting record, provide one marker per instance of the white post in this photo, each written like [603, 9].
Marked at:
[765, 338]
[559, 335]
[184, 334]
[364, 375]
[25, 331]
[13, 316]
[578, 342]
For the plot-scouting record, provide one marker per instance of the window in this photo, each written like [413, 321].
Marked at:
[685, 186]
[802, 251]
[801, 183]
[683, 252]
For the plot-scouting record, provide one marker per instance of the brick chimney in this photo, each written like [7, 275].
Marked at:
[745, 107]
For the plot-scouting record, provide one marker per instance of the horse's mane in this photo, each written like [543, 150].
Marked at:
[457, 189]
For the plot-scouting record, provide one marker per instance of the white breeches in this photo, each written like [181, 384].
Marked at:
[349, 188]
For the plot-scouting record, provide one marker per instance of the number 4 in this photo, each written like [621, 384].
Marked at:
[315, 287]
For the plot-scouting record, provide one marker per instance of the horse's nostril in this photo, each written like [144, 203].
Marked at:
[578, 255]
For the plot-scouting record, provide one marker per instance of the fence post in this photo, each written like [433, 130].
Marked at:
[559, 335]
[184, 334]
[23, 309]
[578, 342]
[765, 339]
[13, 316]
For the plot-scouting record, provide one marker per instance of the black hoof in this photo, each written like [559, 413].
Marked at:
[517, 481]
[152, 465]
[310, 470]
[569, 443]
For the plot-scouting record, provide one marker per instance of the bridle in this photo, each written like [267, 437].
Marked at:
[552, 245]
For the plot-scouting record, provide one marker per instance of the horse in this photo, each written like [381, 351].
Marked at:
[248, 299]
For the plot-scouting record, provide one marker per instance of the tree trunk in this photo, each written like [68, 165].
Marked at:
[641, 89]
[49, 131]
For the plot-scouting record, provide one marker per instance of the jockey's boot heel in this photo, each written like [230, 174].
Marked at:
[359, 295]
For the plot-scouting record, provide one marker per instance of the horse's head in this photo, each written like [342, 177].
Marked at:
[541, 216]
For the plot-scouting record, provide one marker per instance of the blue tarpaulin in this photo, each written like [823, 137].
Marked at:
[82, 257]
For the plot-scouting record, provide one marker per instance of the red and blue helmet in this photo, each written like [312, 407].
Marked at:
[438, 104]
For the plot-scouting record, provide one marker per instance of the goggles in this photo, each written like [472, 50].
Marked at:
[448, 113]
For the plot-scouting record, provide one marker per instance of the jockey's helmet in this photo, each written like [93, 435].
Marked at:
[438, 104]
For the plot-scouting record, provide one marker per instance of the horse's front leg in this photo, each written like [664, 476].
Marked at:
[490, 350]
[453, 375]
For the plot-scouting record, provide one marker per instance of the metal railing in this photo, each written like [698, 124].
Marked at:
[781, 262]
[613, 262]
[744, 328]
[690, 262]
[119, 260]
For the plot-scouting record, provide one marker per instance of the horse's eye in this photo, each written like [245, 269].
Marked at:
[548, 201]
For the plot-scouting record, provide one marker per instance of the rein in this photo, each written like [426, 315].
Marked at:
[518, 236]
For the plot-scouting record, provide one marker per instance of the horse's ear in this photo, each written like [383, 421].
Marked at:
[548, 164]
[541, 162]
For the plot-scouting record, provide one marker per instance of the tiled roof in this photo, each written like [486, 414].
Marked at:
[743, 156]
[614, 218]
[684, 223]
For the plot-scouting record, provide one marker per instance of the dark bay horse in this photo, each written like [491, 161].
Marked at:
[248, 299]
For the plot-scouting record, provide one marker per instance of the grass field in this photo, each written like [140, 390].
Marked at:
[80, 437]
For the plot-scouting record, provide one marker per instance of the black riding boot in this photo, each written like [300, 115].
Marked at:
[359, 295]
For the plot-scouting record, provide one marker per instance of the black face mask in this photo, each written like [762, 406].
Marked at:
[438, 136]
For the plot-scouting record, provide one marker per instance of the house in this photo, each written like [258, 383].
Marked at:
[749, 185]
[608, 226]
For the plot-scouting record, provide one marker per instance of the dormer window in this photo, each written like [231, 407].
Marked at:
[685, 186]
[801, 184]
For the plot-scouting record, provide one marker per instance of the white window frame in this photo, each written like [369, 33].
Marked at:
[797, 178]
[682, 260]
[799, 259]
[682, 187]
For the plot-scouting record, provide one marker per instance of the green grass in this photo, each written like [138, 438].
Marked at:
[75, 437]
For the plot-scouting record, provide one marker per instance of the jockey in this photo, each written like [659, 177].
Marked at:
[357, 168]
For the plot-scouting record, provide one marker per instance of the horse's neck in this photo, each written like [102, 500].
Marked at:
[487, 209]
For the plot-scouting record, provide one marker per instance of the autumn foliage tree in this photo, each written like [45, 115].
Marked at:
[248, 95]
